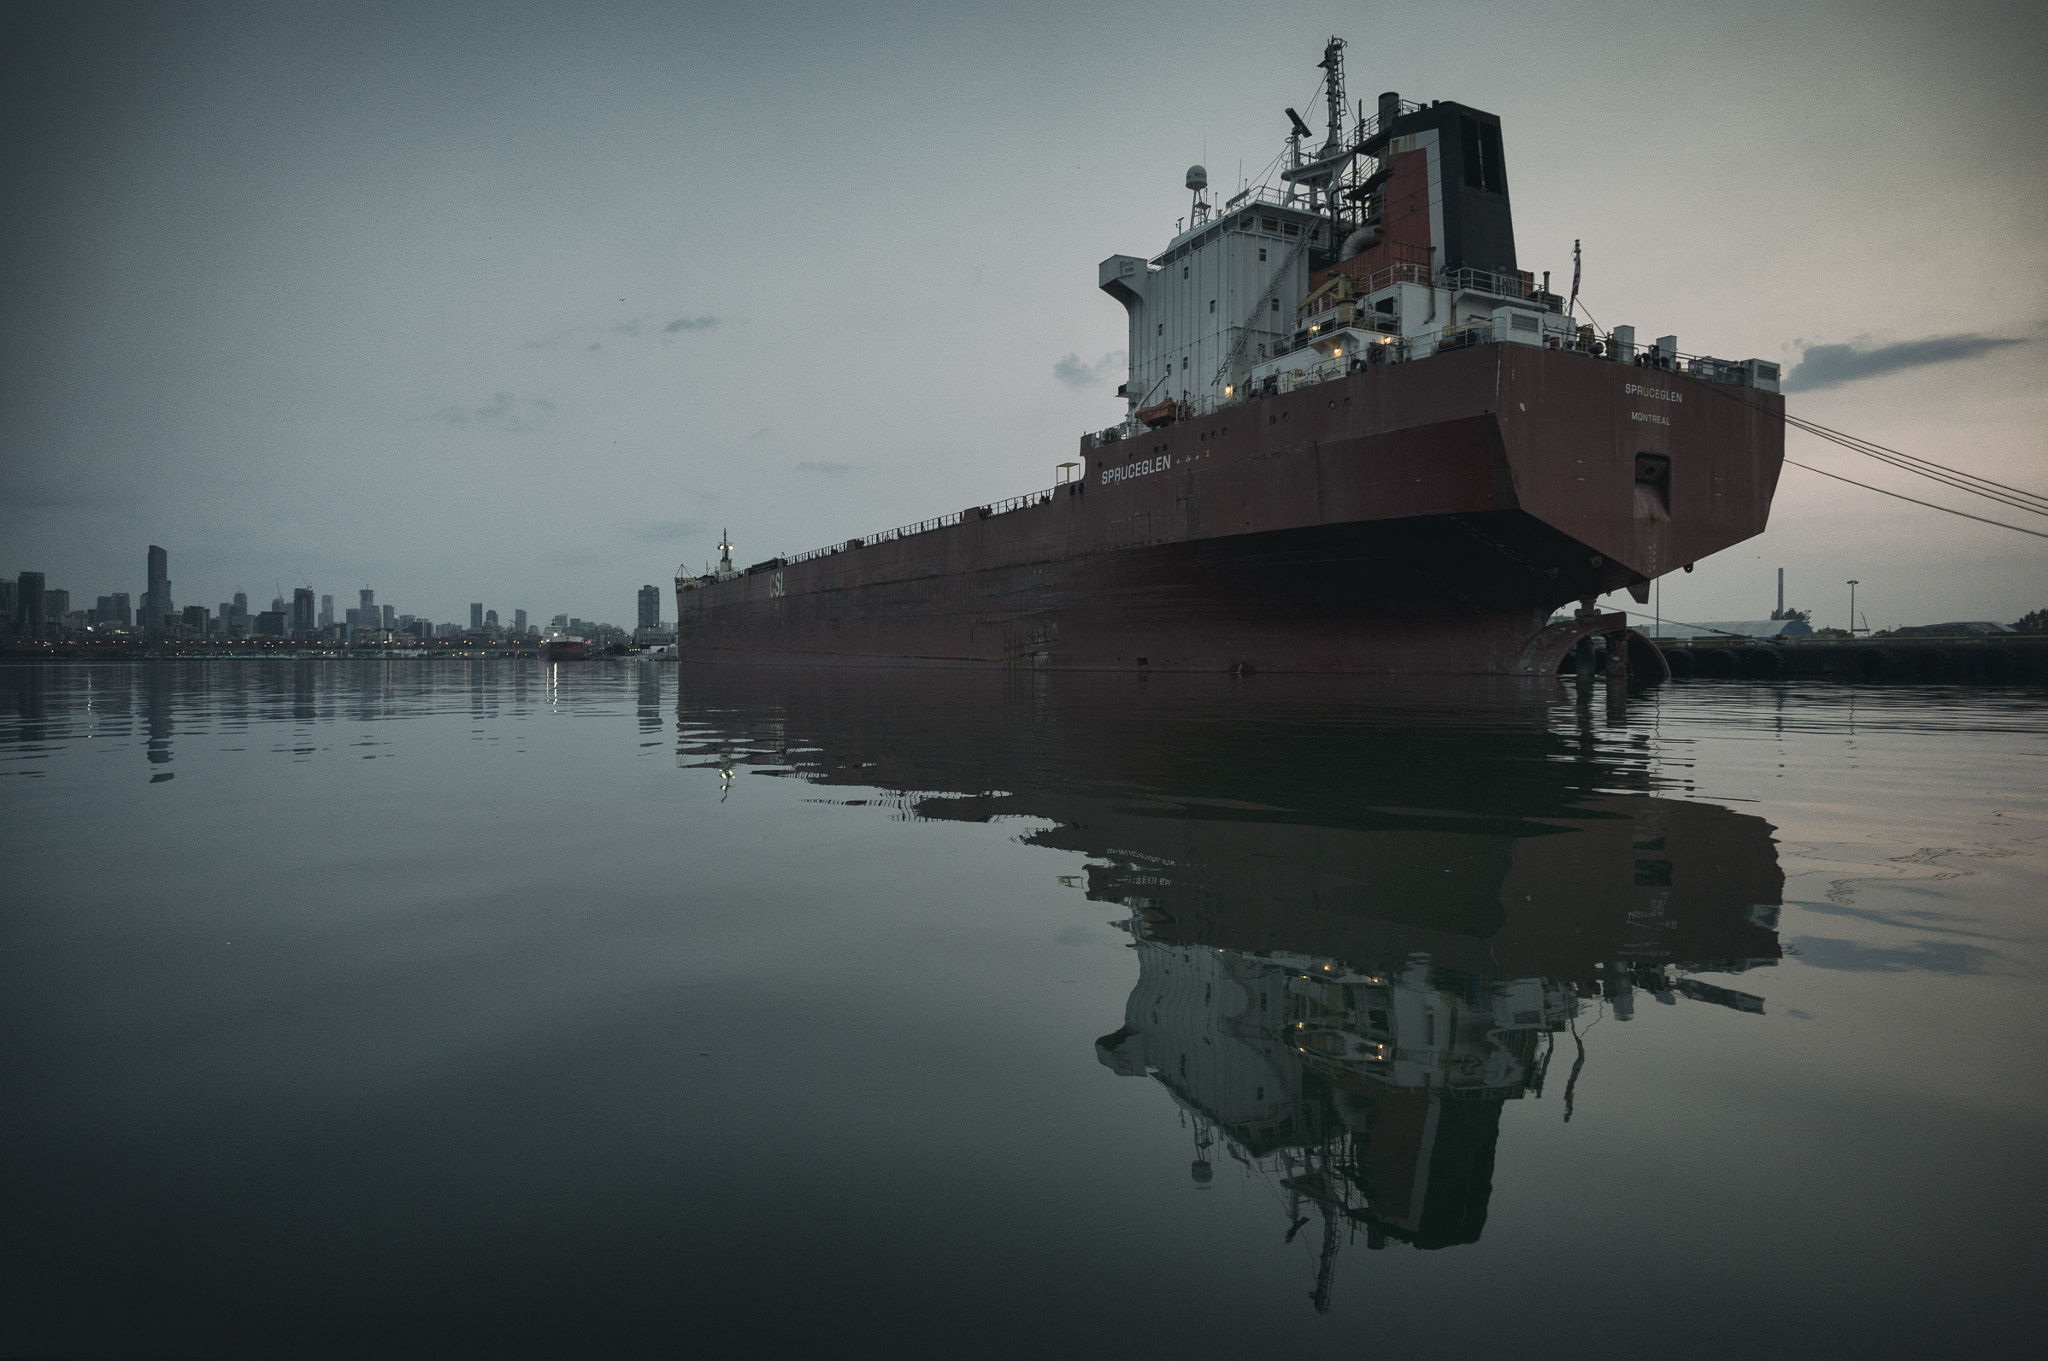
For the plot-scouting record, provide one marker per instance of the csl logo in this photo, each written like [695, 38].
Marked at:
[775, 586]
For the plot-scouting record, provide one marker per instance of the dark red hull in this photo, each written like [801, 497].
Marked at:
[564, 650]
[1418, 517]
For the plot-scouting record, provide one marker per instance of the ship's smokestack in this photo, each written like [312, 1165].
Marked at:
[1781, 593]
[1390, 108]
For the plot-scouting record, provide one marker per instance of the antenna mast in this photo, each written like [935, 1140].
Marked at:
[1333, 89]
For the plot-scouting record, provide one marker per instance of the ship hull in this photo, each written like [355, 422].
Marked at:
[1419, 517]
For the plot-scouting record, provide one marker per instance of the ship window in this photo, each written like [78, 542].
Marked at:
[1183, 361]
[1162, 328]
[1276, 304]
[1262, 254]
[1294, 229]
[1271, 224]
[1212, 304]
[1183, 271]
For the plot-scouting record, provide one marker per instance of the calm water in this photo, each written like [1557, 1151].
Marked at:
[357, 1007]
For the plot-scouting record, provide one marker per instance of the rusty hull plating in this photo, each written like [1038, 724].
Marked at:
[1418, 517]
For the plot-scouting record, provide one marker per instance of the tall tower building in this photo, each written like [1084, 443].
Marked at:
[650, 607]
[156, 601]
[476, 616]
[519, 622]
[326, 610]
[302, 610]
[30, 609]
[241, 602]
[370, 615]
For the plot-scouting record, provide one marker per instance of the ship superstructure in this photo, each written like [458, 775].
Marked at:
[1358, 437]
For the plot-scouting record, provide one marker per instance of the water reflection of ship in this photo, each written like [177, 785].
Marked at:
[1361, 921]
[1372, 1098]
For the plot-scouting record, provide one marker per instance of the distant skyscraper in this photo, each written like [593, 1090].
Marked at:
[519, 622]
[8, 595]
[29, 606]
[241, 602]
[56, 604]
[369, 606]
[302, 610]
[121, 613]
[156, 601]
[390, 615]
[650, 607]
[490, 619]
[326, 610]
[476, 616]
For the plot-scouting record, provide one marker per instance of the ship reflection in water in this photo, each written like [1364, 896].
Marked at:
[1363, 922]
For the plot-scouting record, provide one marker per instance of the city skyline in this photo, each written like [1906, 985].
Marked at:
[33, 609]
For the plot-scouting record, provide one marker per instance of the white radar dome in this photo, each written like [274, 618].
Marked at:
[1198, 178]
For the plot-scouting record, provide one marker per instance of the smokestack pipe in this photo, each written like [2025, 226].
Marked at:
[1781, 591]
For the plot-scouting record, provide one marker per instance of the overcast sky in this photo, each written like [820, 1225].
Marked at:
[524, 303]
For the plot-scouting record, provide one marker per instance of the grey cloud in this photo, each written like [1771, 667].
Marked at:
[1826, 366]
[758, 433]
[513, 415]
[1077, 375]
[689, 324]
[661, 531]
[825, 469]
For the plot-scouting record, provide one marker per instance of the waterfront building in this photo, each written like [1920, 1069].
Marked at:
[194, 617]
[29, 597]
[115, 609]
[476, 616]
[302, 610]
[519, 622]
[650, 607]
[270, 624]
[156, 600]
[8, 591]
[56, 604]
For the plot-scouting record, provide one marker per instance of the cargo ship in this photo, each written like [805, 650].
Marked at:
[557, 645]
[1358, 437]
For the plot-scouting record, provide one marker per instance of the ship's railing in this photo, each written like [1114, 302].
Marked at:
[1369, 128]
[1264, 196]
[993, 509]
[1499, 283]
